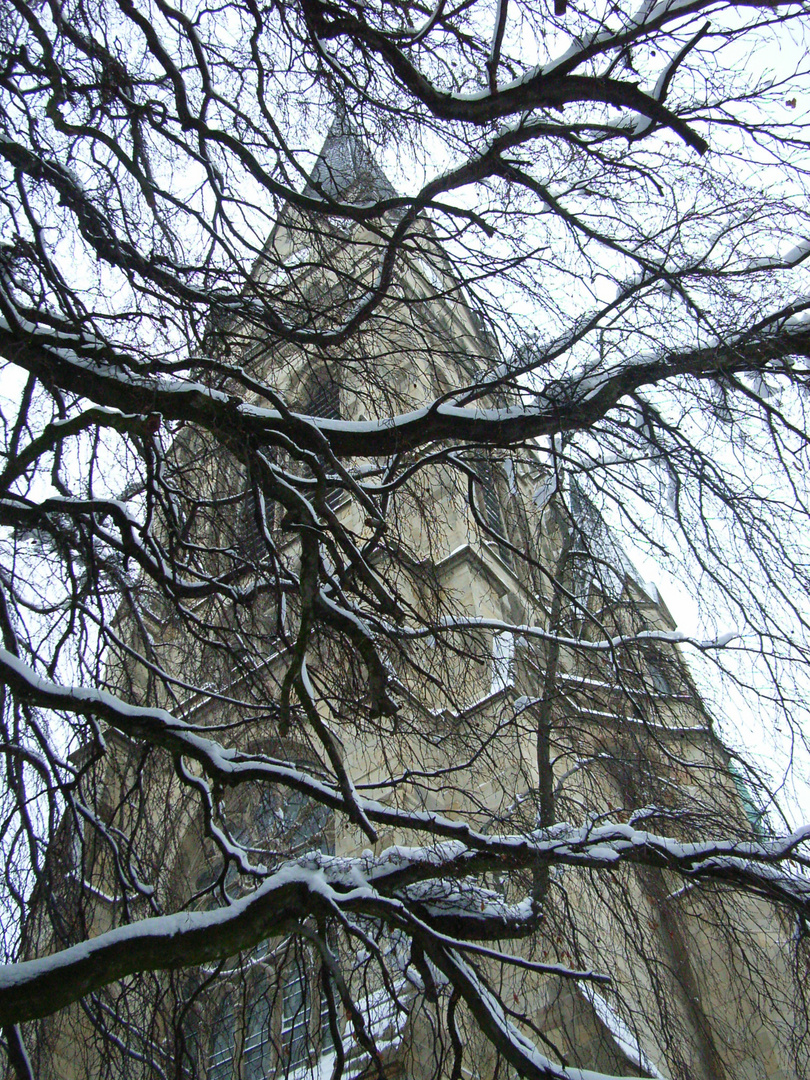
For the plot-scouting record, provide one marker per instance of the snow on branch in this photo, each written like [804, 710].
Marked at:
[749, 864]
[462, 623]
[578, 401]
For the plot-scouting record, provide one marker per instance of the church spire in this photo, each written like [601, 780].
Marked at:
[346, 169]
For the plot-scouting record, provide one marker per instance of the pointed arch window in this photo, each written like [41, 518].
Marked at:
[503, 661]
[295, 1015]
[489, 502]
[223, 1042]
[302, 1001]
[258, 1052]
[273, 1017]
[280, 823]
[321, 399]
[281, 1022]
[252, 541]
[489, 494]
[294, 820]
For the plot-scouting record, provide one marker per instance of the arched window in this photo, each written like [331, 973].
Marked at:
[277, 825]
[659, 675]
[503, 661]
[321, 396]
[258, 1051]
[294, 822]
[304, 1012]
[295, 1014]
[250, 537]
[276, 1023]
[488, 499]
[223, 1042]
[272, 1018]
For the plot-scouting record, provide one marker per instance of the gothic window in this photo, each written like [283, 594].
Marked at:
[259, 1031]
[257, 1054]
[298, 997]
[271, 1032]
[503, 661]
[251, 541]
[665, 675]
[657, 672]
[223, 1042]
[295, 1016]
[755, 815]
[256, 1032]
[651, 672]
[322, 399]
[281, 824]
[489, 503]
[295, 822]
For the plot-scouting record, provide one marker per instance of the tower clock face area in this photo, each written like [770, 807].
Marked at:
[361, 365]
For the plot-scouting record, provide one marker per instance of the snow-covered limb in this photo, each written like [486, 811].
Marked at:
[753, 866]
[371, 887]
[665, 78]
[280, 904]
[572, 403]
[537, 87]
[436, 900]
[460, 624]
[39, 987]
[600, 846]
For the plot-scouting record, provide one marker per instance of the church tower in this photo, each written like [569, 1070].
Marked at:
[448, 638]
[501, 540]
